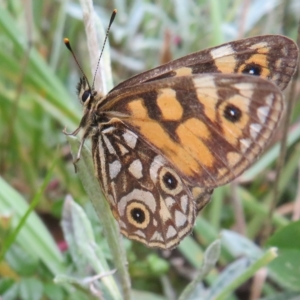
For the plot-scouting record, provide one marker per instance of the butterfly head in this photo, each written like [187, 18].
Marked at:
[85, 93]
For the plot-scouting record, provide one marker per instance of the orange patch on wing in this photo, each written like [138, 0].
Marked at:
[183, 71]
[225, 64]
[160, 139]
[191, 134]
[197, 191]
[233, 158]
[207, 95]
[138, 109]
[222, 171]
[209, 105]
[196, 127]
[169, 105]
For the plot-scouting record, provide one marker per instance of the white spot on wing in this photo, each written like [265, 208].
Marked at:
[156, 236]
[157, 162]
[108, 145]
[164, 211]
[205, 81]
[180, 218]
[171, 232]
[140, 233]
[244, 86]
[123, 150]
[245, 89]
[269, 99]
[130, 138]
[169, 202]
[184, 203]
[108, 130]
[222, 51]
[245, 144]
[145, 196]
[136, 169]
[255, 128]
[259, 45]
[114, 169]
[262, 113]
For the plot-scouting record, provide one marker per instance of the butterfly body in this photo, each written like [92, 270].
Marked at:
[164, 139]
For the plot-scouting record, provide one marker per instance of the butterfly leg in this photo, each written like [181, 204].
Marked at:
[85, 136]
[79, 151]
[82, 124]
[74, 133]
[78, 154]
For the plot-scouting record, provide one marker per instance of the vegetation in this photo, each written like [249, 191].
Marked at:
[54, 247]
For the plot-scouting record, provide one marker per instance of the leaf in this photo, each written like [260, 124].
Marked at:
[287, 237]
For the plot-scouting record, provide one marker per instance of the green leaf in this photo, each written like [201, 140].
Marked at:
[34, 232]
[54, 292]
[239, 245]
[211, 256]
[285, 269]
[21, 261]
[287, 237]
[237, 273]
[146, 296]
[79, 235]
[157, 265]
[283, 296]
[30, 289]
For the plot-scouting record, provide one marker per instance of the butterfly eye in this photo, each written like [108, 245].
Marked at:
[85, 96]
[232, 113]
[252, 69]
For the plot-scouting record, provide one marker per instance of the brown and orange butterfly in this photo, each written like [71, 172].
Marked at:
[164, 139]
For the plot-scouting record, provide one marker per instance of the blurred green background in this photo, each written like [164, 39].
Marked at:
[38, 100]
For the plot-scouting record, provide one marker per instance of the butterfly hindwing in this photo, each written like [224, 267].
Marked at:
[272, 57]
[148, 198]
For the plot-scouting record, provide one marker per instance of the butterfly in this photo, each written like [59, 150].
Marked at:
[164, 139]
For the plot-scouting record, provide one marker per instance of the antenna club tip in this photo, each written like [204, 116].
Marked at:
[112, 18]
[67, 43]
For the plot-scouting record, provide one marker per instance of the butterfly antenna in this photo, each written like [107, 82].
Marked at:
[107, 32]
[68, 45]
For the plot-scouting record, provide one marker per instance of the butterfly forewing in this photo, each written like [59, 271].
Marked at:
[272, 57]
[209, 127]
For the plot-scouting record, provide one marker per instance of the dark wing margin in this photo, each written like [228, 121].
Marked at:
[273, 57]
